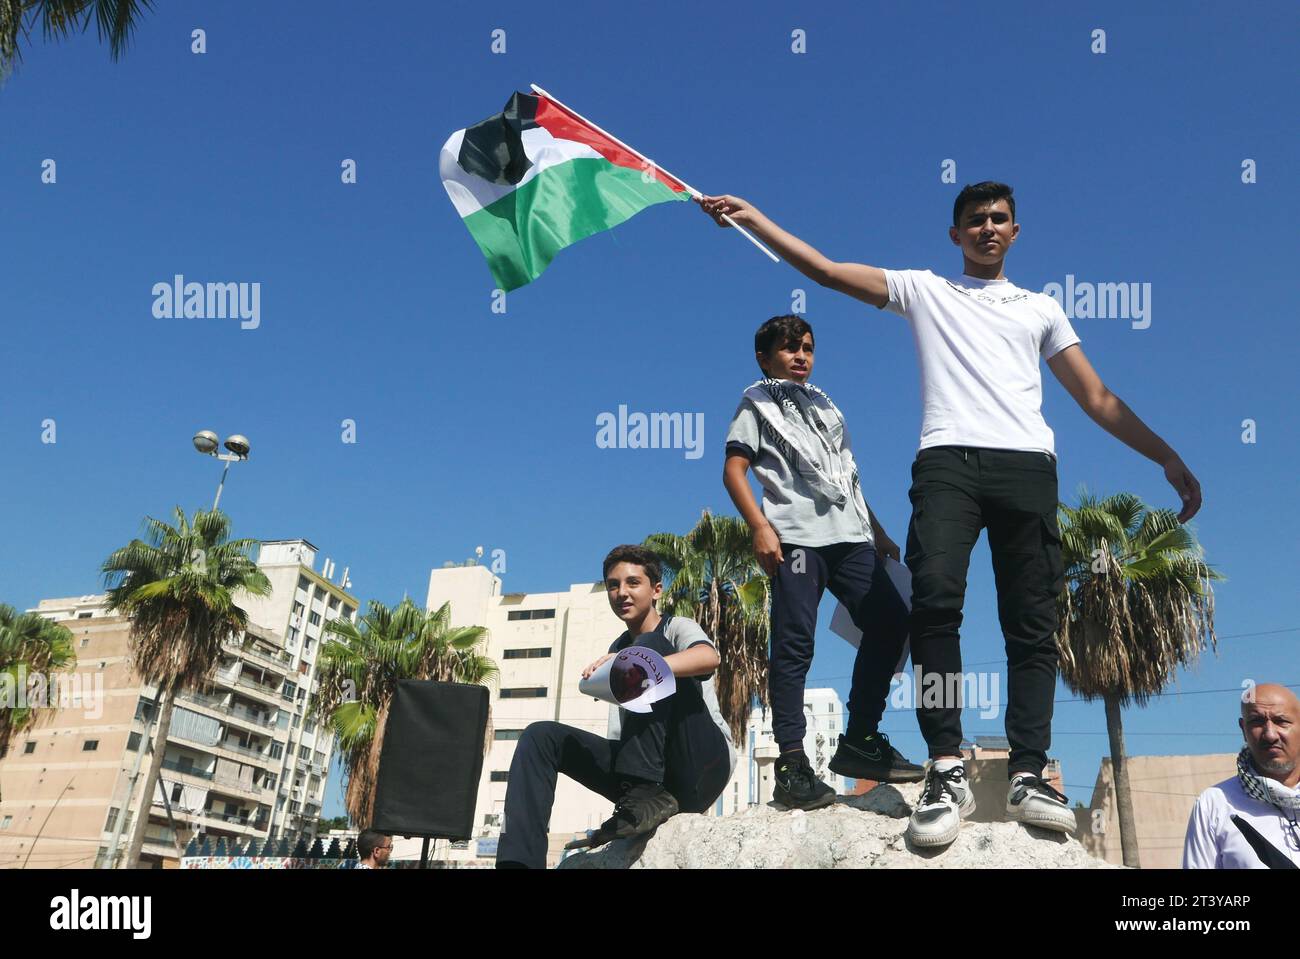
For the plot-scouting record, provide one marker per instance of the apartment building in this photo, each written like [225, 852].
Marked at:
[242, 757]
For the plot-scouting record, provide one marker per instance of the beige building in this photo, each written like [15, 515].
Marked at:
[242, 758]
[1164, 789]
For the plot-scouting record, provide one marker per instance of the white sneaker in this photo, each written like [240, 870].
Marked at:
[946, 799]
[1033, 801]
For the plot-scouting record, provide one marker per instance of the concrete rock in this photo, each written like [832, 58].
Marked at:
[857, 832]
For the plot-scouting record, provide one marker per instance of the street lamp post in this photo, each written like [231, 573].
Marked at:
[205, 441]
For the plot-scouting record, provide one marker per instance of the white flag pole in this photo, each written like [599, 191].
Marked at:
[690, 189]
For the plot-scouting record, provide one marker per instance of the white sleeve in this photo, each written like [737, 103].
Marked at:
[1201, 848]
[902, 286]
[1060, 333]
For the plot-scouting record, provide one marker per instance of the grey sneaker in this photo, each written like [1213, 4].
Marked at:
[1032, 801]
[641, 809]
[946, 800]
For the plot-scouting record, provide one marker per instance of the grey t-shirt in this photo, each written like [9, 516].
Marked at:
[683, 633]
[798, 514]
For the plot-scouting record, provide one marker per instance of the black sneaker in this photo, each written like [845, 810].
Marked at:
[641, 809]
[875, 760]
[797, 786]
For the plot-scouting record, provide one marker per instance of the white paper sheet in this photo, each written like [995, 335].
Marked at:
[635, 678]
[842, 622]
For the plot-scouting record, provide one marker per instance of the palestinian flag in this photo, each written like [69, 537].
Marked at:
[535, 178]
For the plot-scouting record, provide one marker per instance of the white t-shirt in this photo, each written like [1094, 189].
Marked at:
[978, 343]
[1213, 840]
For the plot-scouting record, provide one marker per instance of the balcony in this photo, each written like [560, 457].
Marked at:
[217, 708]
[248, 682]
[209, 819]
[186, 770]
[203, 699]
[230, 788]
[255, 754]
[279, 659]
[161, 840]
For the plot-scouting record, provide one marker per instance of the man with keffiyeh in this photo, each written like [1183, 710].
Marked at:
[814, 533]
[1252, 821]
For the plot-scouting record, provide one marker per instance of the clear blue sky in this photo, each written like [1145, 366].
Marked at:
[479, 429]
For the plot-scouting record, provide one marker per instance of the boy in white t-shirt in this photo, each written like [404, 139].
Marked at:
[986, 459]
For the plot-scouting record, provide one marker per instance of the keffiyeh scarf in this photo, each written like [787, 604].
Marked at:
[1268, 791]
[798, 430]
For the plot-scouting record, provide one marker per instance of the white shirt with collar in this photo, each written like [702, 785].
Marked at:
[1214, 842]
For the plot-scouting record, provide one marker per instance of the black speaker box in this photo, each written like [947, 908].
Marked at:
[431, 760]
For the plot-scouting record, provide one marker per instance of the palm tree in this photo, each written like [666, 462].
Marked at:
[178, 590]
[713, 578]
[114, 19]
[1137, 605]
[359, 669]
[29, 645]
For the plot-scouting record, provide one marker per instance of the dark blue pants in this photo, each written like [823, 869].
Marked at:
[956, 492]
[853, 574]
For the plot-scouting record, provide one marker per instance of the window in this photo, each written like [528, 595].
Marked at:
[294, 807]
[111, 823]
[309, 725]
[133, 742]
[232, 809]
[304, 752]
[85, 643]
[321, 592]
[304, 583]
[6, 822]
[84, 615]
[297, 608]
[289, 689]
[291, 641]
[525, 692]
[144, 709]
[314, 619]
[500, 775]
[306, 646]
[277, 751]
[348, 610]
[539, 653]
[334, 602]
[268, 781]
[507, 734]
[176, 792]
[531, 614]
[90, 745]
[29, 747]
